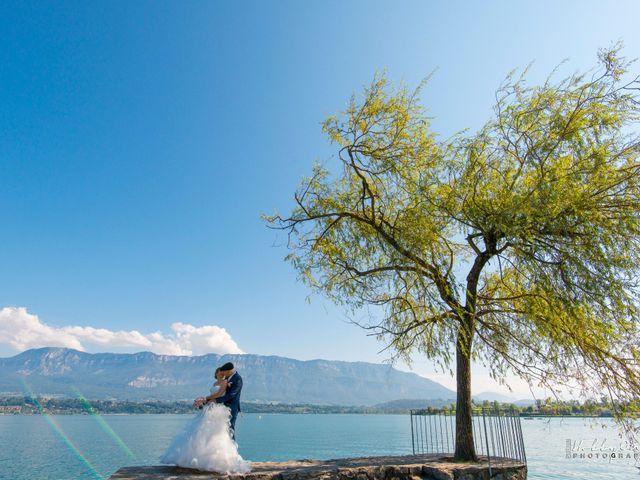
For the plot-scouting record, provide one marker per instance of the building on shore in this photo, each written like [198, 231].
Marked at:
[10, 409]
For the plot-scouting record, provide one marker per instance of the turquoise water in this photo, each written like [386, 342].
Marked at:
[70, 447]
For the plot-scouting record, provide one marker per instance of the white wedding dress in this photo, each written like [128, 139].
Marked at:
[206, 443]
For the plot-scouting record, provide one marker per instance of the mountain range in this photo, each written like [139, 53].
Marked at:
[148, 376]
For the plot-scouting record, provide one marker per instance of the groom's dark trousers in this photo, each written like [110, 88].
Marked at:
[231, 399]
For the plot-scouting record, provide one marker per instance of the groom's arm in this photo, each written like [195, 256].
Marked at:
[231, 393]
[213, 396]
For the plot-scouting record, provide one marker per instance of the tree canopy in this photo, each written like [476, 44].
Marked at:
[516, 246]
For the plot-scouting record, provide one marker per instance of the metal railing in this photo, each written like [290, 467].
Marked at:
[497, 433]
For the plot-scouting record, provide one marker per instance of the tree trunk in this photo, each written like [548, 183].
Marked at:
[465, 449]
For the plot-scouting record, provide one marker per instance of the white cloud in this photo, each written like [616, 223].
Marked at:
[21, 330]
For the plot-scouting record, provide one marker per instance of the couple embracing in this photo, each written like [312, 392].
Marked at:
[208, 440]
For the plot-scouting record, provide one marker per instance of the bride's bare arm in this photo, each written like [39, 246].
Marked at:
[219, 393]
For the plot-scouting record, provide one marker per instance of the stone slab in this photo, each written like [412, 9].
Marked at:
[408, 467]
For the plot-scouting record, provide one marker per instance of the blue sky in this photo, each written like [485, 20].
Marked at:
[141, 141]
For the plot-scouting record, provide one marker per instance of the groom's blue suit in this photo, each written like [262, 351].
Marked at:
[231, 399]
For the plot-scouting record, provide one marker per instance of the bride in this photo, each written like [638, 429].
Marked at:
[206, 442]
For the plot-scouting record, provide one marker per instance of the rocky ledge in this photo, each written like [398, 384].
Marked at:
[410, 467]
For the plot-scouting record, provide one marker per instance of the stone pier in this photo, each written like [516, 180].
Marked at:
[409, 467]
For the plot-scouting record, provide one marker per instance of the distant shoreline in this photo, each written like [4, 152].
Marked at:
[541, 417]
[25, 405]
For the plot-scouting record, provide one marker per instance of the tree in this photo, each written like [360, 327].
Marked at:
[516, 246]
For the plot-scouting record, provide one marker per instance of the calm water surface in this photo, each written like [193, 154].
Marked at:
[70, 447]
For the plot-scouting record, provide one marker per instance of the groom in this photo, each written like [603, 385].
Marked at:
[231, 398]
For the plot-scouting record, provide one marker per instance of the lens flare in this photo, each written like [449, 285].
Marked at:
[60, 432]
[103, 423]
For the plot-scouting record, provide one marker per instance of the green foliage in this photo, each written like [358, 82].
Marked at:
[518, 244]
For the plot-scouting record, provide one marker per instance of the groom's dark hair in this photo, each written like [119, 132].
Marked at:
[227, 367]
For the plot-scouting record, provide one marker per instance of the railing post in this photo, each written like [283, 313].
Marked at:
[502, 434]
[447, 432]
[514, 435]
[524, 452]
[493, 440]
[413, 445]
[507, 426]
[484, 421]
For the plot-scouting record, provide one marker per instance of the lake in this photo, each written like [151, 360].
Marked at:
[72, 447]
